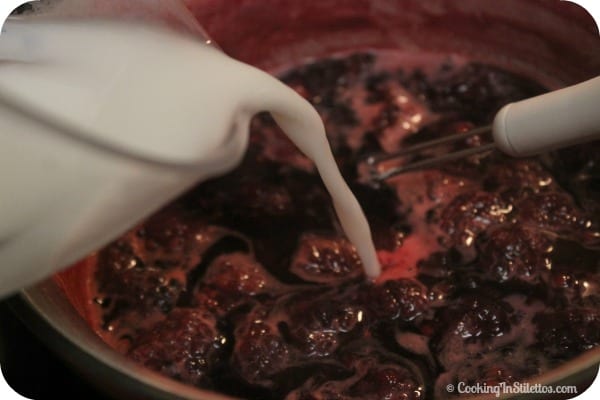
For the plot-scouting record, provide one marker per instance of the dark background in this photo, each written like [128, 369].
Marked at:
[33, 370]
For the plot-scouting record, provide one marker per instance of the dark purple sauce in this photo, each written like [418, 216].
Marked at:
[247, 286]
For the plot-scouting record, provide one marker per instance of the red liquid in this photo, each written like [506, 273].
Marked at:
[246, 284]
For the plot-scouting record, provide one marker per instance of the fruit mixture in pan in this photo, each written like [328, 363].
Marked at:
[245, 285]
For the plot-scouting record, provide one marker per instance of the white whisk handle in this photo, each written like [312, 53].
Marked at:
[554, 120]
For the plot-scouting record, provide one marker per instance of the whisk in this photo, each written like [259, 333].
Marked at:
[533, 126]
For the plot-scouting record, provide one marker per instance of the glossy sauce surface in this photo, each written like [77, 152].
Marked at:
[246, 284]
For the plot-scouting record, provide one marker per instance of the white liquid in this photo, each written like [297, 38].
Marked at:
[162, 111]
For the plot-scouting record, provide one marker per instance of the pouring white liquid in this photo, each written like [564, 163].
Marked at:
[105, 122]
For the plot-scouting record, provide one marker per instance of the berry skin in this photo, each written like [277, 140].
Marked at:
[238, 274]
[185, 346]
[515, 252]
[565, 333]
[127, 280]
[319, 327]
[471, 213]
[474, 320]
[396, 299]
[387, 382]
[554, 211]
[259, 353]
[323, 260]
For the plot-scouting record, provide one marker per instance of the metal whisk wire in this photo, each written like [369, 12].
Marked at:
[375, 162]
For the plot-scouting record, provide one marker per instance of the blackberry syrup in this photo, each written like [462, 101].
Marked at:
[246, 284]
